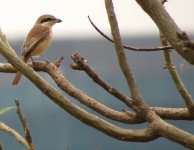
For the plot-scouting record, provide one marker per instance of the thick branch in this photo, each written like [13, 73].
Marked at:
[173, 113]
[170, 132]
[168, 27]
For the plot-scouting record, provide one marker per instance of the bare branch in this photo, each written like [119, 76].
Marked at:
[15, 134]
[20, 115]
[58, 61]
[169, 131]
[165, 113]
[70, 89]
[173, 113]
[24, 125]
[80, 63]
[168, 27]
[119, 49]
[135, 94]
[175, 77]
[129, 47]
[67, 86]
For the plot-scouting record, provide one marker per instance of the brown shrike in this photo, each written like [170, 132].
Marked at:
[38, 40]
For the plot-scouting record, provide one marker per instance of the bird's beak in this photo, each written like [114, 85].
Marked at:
[58, 20]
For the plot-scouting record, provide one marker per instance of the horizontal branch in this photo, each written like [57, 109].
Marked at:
[173, 113]
[165, 113]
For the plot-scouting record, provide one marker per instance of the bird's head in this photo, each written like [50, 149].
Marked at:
[48, 20]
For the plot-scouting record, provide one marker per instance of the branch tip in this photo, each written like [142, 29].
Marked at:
[78, 61]
[58, 61]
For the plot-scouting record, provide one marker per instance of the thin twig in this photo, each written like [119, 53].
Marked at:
[129, 47]
[58, 61]
[176, 78]
[24, 125]
[20, 115]
[15, 134]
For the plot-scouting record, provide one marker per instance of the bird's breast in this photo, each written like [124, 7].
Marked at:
[43, 45]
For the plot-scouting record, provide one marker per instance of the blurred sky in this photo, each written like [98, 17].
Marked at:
[17, 17]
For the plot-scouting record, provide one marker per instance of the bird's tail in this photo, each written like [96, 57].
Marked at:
[19, 74]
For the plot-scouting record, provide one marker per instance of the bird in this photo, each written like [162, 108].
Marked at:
[38, 40]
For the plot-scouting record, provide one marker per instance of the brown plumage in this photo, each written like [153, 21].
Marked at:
[37, 41]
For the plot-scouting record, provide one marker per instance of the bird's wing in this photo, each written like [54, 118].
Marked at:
[32, 43]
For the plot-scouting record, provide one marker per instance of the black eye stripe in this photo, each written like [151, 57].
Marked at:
[46, 20]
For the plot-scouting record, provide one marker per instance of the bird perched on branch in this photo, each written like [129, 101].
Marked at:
[38, 40]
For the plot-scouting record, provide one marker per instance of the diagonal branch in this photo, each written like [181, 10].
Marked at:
[168, 27]
[80, 63]
[129, 47]
[15, 134]
[120, 51]
[136, 96]
[176, 78]
[24, 125]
